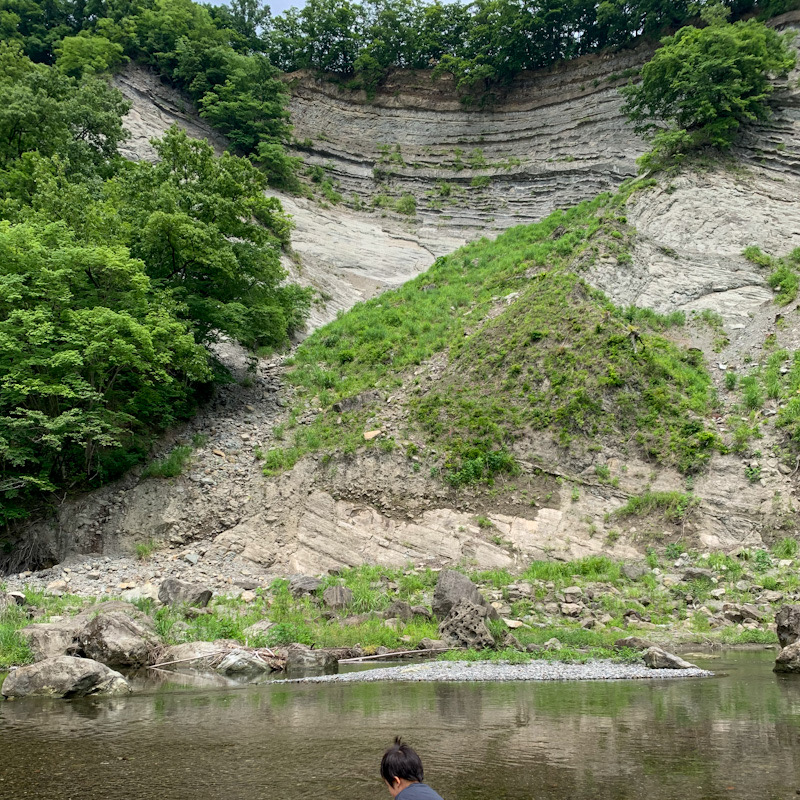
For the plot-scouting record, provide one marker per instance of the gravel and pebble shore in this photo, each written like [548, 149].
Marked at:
[456, 671]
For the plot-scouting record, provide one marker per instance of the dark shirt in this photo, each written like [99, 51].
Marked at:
[418, 791]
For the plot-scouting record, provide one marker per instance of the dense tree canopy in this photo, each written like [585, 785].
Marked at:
[703, 84]
[115, 276]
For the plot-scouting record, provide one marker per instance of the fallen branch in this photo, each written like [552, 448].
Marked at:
[399, 653]
[193, 658]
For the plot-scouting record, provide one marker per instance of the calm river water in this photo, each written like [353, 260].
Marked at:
[733, 736]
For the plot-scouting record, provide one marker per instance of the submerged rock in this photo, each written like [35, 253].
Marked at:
[64, 676]
[656, 658]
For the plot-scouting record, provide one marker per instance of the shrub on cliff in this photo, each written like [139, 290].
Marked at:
[703, 85]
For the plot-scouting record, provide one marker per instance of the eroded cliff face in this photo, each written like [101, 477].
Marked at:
[555, 139]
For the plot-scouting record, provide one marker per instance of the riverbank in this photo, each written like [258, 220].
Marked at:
[552, 611]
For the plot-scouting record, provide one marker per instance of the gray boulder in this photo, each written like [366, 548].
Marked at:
[421, 611]
[318, 661]
[465, 626]
[635, 570]
[337, 597]
[788, 659]
[64, 676]
[787, 621]
[302, 585]
[431, 644]
[452, 587]
[399, 610]
[174, 592]
[51, 639]
[241, 664]
[656, 658]
[116, 640]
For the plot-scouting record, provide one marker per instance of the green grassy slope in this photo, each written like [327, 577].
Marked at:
[522, 344]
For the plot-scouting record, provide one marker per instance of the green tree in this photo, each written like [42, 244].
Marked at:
[703, 84]
[210, 236]
[90, 358]
[86, 54]
[45, 111]
[250, 107]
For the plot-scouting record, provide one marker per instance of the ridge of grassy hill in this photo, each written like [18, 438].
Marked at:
[519, 343]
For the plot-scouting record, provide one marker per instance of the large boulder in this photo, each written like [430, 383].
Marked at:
[787, 621]
[51, 639]
[174, 592]
[304, 660]
[64, 676]
[656, 658]
[116, 640]
[452, 587]
[337, 597]
[241, 664]
[465, 626]
[788, 659]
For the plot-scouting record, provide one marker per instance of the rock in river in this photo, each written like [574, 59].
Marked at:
[656, 658]
[787, 621]
[788, 659]
[64, 676]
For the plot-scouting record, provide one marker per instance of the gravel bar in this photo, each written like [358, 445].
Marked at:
[453, 671]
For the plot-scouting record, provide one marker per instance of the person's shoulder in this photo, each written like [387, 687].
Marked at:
[419, 791]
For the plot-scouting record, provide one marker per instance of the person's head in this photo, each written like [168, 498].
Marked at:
[400, 766]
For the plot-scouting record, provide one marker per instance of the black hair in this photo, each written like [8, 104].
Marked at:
[401, 761]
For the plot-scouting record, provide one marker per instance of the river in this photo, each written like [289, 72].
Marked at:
[736, 735]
